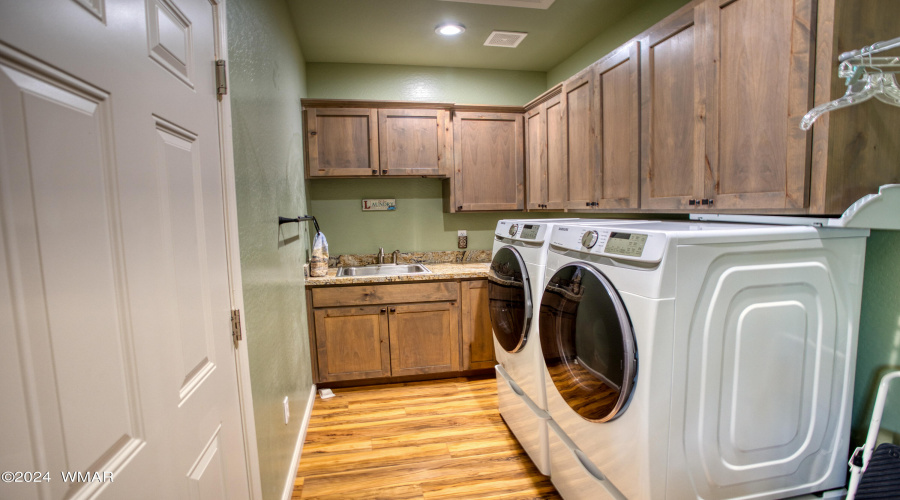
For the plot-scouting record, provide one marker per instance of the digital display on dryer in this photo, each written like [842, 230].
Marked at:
[630, 245]
[529, 232]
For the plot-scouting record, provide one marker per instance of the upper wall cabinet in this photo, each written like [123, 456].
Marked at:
[342, 142]
[758, 58]
[414, 141]
[854, 149]
[617, 141]
[545, 154]
[377, 141]
[488, 160]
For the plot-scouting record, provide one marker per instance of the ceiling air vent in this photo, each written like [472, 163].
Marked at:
[509, 39]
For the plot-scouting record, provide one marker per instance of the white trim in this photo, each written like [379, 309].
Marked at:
[298, 448]
[233, 256]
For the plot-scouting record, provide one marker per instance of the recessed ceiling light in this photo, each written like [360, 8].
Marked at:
[449, 29]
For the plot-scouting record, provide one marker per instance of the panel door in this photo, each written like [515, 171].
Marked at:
[115, 300]
[536, 158]
[557, 153]
[581, 138]
[673, 167]
[616, 90]
[477, 337]
[489, 161]
[342, 142]
[759, 155]
[352, 343]
[414, 141]
[424, 338]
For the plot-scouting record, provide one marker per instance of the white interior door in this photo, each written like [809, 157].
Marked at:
[114, 302]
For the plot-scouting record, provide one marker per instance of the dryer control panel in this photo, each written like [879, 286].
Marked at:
[619, 243]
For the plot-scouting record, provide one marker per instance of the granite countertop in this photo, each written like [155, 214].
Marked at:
[439, 271]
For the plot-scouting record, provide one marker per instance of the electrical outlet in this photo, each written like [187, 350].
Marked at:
[462, 240]
[287, 411]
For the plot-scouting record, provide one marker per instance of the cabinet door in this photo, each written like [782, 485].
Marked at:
[557, 170]
[617, 176]
[477, 335]
[673, 166]
[760, 57]
[536, 158]
[341, 141]
[581, 138]
[489, 163]
[352, 343]
[424, 338]
[413, 141]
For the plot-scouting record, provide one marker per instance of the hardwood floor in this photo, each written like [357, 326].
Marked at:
[428, 440]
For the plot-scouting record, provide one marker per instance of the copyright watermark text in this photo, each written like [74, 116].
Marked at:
[66, 477]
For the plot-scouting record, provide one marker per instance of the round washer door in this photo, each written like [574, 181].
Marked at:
[588, 342]
[509, 293]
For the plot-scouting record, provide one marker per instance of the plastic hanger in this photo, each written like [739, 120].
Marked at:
[867, 77]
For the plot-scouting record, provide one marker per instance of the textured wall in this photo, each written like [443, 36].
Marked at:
[266, 82]
[879, 331]
[423, 83]
[632, 24]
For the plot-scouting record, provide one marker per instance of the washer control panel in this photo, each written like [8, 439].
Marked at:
[522, 231]
[618, 243]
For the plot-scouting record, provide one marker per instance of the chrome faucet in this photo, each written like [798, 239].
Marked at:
[381, 255]
[395, 257]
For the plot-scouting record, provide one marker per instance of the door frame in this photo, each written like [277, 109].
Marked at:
[233, 257]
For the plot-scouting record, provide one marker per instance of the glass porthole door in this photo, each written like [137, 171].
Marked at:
[588, 342]
[509, 293]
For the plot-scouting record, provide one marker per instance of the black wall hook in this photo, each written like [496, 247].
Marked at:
[285, 220]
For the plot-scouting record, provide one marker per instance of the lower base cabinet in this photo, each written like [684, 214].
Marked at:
[399, 330]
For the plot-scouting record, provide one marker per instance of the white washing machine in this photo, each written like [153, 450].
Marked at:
[515, 285]
[700, 360]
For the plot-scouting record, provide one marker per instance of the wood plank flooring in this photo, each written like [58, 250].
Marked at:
[419, 440]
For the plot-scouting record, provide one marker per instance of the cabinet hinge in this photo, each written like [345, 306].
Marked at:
[221, 77]
[236, 325]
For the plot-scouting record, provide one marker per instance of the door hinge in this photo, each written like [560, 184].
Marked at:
[236, 325]
[221, 77]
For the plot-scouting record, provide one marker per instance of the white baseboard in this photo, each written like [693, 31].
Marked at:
[298, 448]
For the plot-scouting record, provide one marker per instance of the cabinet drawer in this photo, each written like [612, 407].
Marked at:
[385, 294]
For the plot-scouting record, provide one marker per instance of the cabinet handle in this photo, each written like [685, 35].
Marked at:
[384, 171]
[459, 208]
[692, 202]
[711, 201]
[383, 310]
[312, 132]
[393, 309]
[374, 172]
[587, 203]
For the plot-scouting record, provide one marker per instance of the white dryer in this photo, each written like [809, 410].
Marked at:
[515, 285]
[700, 360]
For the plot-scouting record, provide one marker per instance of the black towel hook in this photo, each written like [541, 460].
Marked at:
[285, 220]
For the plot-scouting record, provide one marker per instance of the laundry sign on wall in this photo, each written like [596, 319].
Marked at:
[379, 204]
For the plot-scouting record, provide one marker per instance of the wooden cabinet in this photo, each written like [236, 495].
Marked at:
[854, 150]
[758, 60]
[545, 155]
[341, 142]
[377, 141]
[414, 141]
[352, 343]
[398, 330]
[424, 338]
[616, 156]
[477, 333]
[673, 129]
[488, 159]
[581, 138]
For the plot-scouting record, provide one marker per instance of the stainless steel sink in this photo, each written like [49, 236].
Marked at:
[383, 270]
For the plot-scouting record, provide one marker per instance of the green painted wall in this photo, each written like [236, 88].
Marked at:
[632, 24]
[879, 332]
[423, 83]
[266, 82]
